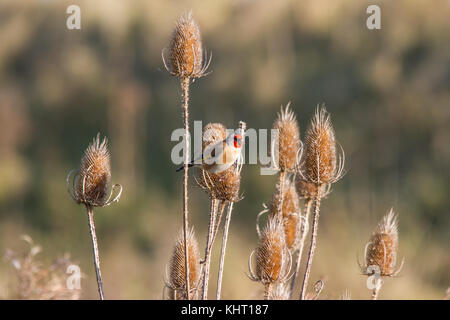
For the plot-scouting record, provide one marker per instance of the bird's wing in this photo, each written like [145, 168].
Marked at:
[211, 152]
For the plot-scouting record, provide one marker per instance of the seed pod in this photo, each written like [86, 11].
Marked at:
[272, 254]
[177, 280]
[290, 211]
[288, 139]
[186, 52]
[383, 246]
[95, 174]
[319, 164]
[221, 186]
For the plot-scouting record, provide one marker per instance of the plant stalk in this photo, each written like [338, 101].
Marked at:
[185, 89]
[90, 214]
[209, 244]
[223, 250]
[308, 203]
[312, 247]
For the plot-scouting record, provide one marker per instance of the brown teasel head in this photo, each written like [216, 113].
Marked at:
[288, 139]
[272, 256]
[95, 174]
[320, 164]
[177, 280]
[222, 185]
[185, 49]
[290, 211]
[381, 251]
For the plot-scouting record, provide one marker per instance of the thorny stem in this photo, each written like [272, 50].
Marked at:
[223, 250]
[304, 231]
[207, 261]
[185, 88]
[219, 218]
[268, 291]
[90, 214]
[312, 247]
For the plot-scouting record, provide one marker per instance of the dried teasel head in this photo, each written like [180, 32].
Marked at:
[273, 260]
[321, 164]
[187, 59]
[222, 185]
[177, 281]
[381, 251]
[290, 211]
[92, 182]
[288, 139]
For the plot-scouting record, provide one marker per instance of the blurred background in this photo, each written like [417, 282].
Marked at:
[387, 91]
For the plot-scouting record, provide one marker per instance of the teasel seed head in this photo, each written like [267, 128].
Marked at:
[288, 139]
[92, 181]
[290, 211]
[273, 260]
[321, 165]
[187, 59]
[177, 281]
[381, 251]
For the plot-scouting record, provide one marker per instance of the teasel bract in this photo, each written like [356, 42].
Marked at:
[223, 190]
[187, 61]
[176, 282]
[90, 186]
[321, 165]
[381, 252]
[273, 259]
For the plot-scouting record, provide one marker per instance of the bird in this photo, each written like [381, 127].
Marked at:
[220, 156]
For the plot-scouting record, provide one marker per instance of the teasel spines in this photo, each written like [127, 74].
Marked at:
[381, 251]
[272, 256]
[177, 277]
[321, 164]
[288, 139]
[95, 172]
[290, 212]
[92, 181]
[187, 58]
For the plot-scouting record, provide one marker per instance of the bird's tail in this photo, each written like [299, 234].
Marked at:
[182, 167]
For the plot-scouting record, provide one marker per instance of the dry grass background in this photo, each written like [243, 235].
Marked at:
[387, 92]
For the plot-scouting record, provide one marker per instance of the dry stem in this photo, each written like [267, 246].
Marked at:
[90, 214]
[312, 247]
[223, 250]
[209, 244]
[185, 88]
[308, 203]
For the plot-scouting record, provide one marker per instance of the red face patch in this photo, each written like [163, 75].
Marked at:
[237, 140]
